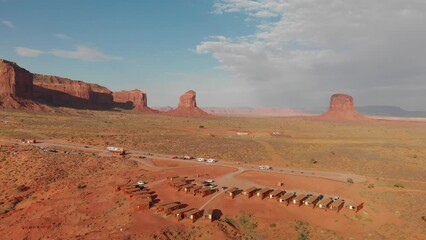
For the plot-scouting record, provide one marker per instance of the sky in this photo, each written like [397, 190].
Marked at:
[233, 53]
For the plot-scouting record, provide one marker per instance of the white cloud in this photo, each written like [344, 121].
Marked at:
[28, 52]
[8, 24]
[320, 47]
[81, 52]
[61, 36]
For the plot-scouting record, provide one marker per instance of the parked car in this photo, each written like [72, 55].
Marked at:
[211, 160]
[209, 180]
[201, 159]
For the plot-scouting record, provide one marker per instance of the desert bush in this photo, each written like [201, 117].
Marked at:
[303, 229]
[350, 180]
[273, 225]
[81, 185]
[22, 188]
[399, 185]
[370, 185]
[247, 221]
[201, 126]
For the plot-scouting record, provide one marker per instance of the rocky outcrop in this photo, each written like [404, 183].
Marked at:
[16, 86]
[188, 106]
[342, 108]
[134, 99]
[57, 91]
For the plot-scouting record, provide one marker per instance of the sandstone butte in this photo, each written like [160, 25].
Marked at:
[134, 99]
[342, 108]
[188, 106]
[20, 89]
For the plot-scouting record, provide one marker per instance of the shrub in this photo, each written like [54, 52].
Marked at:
[273, 225]
[201, 126]
[22, 188]
[399, 185]
[81, 185]
[350, 180]
[370, 185]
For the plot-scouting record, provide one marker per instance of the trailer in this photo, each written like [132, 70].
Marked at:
[116, 150]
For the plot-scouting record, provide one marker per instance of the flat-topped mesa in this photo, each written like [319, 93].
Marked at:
[342, 108]
[16, 86]
[134, 99]
[188, 106]
[58, 91]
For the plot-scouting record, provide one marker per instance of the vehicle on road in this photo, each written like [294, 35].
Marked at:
[265, 167]
[211, 160]
[201, 159]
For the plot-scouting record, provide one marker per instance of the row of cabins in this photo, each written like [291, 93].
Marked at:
[316, 201]
[186, 185]
[182, 211]
[143, 198]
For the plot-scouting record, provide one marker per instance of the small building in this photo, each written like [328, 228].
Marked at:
[337, 205]
[194, 190]
[208, 215]
[143, 204]
[287, 197]
[194, 214]
[183, 187]
[298, 200]
[312, 200]
[160, 207]
[170, 208]
[324, 203]
[188, 187]
[262, 193]
[250, 192]
[203, 192]
[232, 192]
[355, 207]
[171, 178]
[180, 213]
[276, 194]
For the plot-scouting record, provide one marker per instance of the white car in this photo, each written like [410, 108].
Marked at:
[141, 183]
[200, 159]
[264, 167]
[211, 160]
[209, 180]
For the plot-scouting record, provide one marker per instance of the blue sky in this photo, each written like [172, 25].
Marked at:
[261, 53]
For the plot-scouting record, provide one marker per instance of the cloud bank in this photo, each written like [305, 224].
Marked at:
[81, 53]
[304, 50]
[8, 24]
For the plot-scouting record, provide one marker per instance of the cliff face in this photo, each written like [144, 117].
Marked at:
[65, 92]
[342, 108]
[188, 106]
[134, 99]
[16, 86]
[15, 81]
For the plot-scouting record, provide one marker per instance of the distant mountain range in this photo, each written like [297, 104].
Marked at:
[389, 111]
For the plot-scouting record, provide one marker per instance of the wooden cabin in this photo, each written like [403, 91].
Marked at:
[180, 213]
[208, 215]
[287, 197]
[170, 208]
[171, 178]
[160, 207]
[203, 192]
[276, 194]
[188, 187]
[262, 193]
[337, 205]
[355, 207]
[232, 192]
[312, 200]
[250, 192]
[194, 190]
[298, 200]
[143, 204]
[194, 214]
[324, 203]
[183, 187]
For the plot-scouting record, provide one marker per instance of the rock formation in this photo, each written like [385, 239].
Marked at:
[16, 86]
[342, 108]
[188, 106]
[134, 99]
[65, 92]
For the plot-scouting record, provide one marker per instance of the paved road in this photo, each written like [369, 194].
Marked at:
[137, 154]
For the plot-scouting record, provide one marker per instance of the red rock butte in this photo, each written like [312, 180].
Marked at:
[134, 99]
[342, 108]
[188, 106]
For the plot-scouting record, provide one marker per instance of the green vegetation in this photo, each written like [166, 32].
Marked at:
[399, 185]
[370, 185]
[303, 229]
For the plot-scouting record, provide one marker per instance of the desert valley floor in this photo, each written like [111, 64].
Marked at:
[68, 186]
